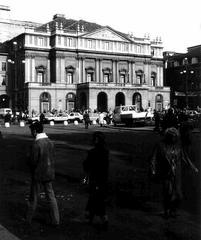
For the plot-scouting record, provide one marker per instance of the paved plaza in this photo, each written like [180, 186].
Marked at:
[134, 203]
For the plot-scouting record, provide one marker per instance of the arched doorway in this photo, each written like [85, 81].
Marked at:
[45, 102]
[83, 101]
[70, 102]
[120, 99]
[102, 102]
[4, 101]
[137, 100]
[159, 102]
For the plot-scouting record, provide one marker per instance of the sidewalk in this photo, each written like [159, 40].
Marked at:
[6, 235]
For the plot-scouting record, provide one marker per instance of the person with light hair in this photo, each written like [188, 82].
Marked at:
[166, 164]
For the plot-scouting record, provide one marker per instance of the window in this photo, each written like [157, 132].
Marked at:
[107, 75]
[122, 78]
[69, 77]
[107, 46]
[30, 40]
[3, 66]
[89, 43]
[40, 77]
[3, 83]
[106, 78]
[70, 40]
[139, 76]
[89, 77]
[194, 60]
[153, 79]
[139, 48]
[40, 41]
[59, 40]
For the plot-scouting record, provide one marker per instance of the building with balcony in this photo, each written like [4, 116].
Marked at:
[182, 73]
[67, 64]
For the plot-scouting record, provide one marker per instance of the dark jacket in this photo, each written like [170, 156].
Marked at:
[96, 166]
[42, 159]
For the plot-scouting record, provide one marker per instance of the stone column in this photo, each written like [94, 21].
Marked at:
[58, 65]
[79, 74]
[161, 76]
[158, 77]
[27, 70]
[33, 69]
[100, 71]
[97, 70]
[134, 75]
[48, 70]
[83, 71]
[113, 72]
[129, 72]
[62, 70]
[117, 72]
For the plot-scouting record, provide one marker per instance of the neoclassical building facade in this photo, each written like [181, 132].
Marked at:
[68, 64]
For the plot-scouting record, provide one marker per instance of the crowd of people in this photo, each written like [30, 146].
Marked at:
[166, 161]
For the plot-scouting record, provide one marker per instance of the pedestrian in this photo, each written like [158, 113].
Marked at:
[166, 164]
[41, 162]
[96, 167]
[101, 119]
[157, 121]
[42, 117]
[86, 119]
[169, 120]
[7, 117]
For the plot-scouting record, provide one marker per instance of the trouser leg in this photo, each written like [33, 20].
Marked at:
[54, 211]
[33, 199]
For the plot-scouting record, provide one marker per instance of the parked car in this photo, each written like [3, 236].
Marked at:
[60, 117]
[4, 111]
[75, 116]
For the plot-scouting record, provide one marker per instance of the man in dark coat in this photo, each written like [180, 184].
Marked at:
[41, 162]
[96, 167]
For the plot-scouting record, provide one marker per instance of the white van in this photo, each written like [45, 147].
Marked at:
[4, 111]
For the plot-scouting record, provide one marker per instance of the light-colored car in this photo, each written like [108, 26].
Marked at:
[33, 119]
[60, 117]
[75, 116]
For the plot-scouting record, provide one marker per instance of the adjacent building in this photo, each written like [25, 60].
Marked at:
[183, 74]
[68, 64]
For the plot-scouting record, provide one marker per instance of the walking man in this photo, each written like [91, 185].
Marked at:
[41, 164]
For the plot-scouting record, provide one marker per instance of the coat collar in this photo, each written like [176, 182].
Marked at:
[41, 136]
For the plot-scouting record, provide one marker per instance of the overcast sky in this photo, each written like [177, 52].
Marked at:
[178, 22]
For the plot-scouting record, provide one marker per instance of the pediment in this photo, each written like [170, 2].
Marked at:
[106, 34]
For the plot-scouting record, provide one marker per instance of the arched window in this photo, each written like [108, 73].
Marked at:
[102, 102]
[159, 102]
[70, 102]
[153, 79]
[137, 100]
[45, 102]
[119, 99]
